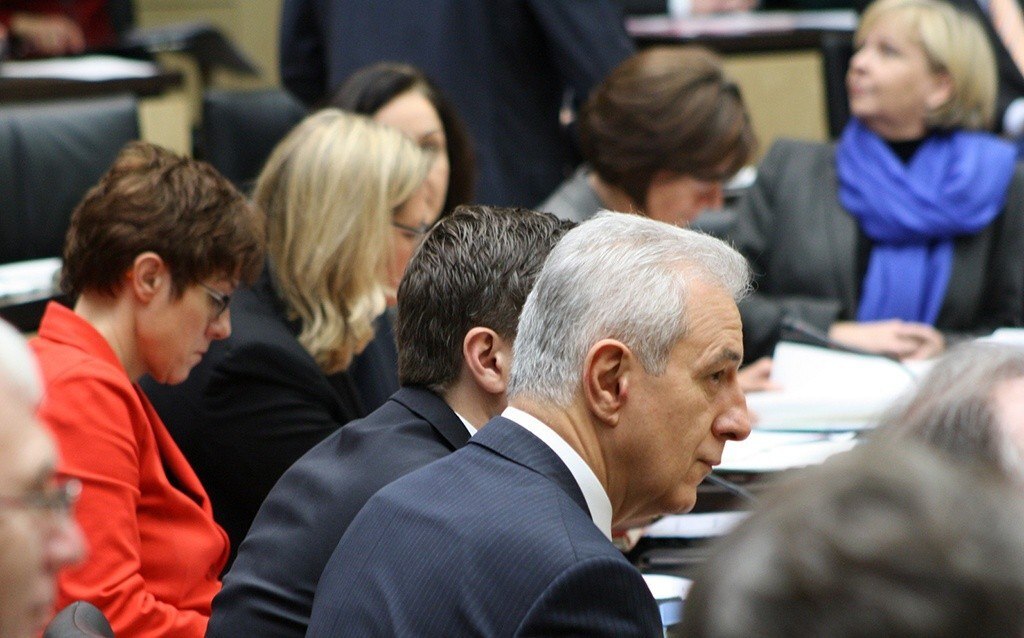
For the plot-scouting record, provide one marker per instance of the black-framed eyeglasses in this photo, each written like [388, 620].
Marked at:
[220, 300]
[58, 498]
[414, 233]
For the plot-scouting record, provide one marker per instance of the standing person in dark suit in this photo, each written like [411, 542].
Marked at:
[622, 395]
[507, 65]
[458, 308]
[912, 225]
[279, 384]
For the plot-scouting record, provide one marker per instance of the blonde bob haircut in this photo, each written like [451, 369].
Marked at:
[329, 190]
[955, 45]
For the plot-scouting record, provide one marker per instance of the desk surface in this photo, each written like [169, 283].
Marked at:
[87, 76]
[758, 31]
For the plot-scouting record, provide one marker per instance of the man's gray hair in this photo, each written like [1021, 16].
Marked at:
[18, 366]
[615, 276]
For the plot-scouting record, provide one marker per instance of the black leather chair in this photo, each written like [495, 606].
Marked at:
[50, 155]
[241, 128]
[79, 620]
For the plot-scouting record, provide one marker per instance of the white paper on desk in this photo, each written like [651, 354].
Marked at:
[738, 23]
[703, 525]
[767, 451]
[829, 390]
[665, 587]
[88, 68]
[29, 280]
[1006, 336]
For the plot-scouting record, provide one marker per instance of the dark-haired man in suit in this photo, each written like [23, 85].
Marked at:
[622, 396]
[458, 305]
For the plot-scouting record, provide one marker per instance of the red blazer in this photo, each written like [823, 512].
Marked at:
[154, 552]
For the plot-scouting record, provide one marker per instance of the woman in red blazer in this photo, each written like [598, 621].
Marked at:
[152, 256]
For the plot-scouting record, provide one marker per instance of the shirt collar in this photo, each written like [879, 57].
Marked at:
[598, 503]
[465, 422]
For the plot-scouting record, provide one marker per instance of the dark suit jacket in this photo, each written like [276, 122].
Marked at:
[493, 540]
[1011, 82]
[506, 65]
[269, 590]
[252, 407]
[803, 248]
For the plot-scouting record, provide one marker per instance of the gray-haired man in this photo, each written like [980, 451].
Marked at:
[622, 395]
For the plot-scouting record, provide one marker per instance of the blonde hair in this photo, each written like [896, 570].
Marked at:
[329, 190]
[954, 44]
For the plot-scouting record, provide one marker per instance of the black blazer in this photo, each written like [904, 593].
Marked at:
[505, 64]
[252, 407]
[269, 590]
[493, 540]
[803, 248]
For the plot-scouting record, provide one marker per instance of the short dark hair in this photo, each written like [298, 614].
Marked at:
[665, 108]
[954, 408]
[154, 200]
[368, 89]
[881, 541]
[474, 268]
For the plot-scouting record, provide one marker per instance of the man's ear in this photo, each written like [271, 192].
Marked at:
[147, 276]
[607, 373]
[487, 357]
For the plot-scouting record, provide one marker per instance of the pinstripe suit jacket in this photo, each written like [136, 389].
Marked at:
[493, 540]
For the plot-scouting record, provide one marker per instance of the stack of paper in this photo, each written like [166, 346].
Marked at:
[827, 390]
[768, 451]
[669, 592]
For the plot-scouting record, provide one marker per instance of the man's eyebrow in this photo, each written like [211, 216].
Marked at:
[722, 356]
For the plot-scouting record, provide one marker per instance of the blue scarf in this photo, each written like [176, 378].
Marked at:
[954, 185]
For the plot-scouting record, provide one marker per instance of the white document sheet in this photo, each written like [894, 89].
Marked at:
[92, 68]
[826, 390]
[768, 451]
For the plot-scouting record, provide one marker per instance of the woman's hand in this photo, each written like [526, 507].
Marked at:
[902, 339]
[756, 377]
[48, 35]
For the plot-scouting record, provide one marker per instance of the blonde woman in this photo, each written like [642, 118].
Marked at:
[260, 399]
[910, 228]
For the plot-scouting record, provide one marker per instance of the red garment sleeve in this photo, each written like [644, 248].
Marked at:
[95, 420]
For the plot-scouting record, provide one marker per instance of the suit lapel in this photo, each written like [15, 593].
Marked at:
[512, 441]
[432, 409]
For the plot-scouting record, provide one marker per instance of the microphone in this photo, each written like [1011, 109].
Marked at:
[806, 333]
[731, 487]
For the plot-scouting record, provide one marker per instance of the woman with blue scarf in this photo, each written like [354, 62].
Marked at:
[912, 226]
